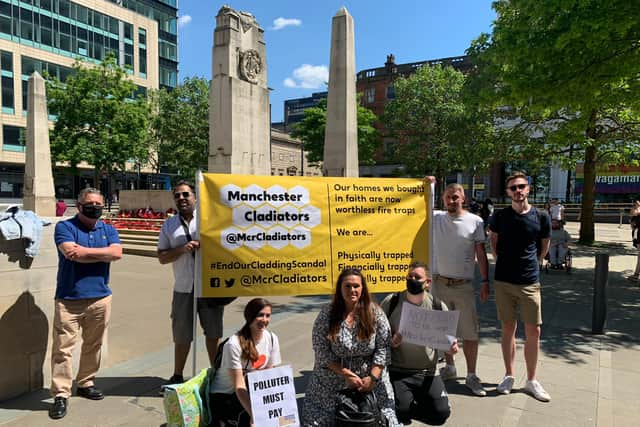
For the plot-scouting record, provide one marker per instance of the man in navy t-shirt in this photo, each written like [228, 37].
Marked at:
[519, 239]
[86, 247]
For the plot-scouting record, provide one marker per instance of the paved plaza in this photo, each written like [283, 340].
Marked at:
[594, 380]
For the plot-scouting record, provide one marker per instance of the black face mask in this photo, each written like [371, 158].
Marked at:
[92, 211]
[415, 287]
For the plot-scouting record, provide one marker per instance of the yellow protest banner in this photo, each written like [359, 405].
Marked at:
[284, 235]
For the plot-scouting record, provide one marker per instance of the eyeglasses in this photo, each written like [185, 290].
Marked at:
[518, 186]
[182, 194]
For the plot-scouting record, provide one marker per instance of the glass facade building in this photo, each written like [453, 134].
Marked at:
[165, 12]
[48, 36]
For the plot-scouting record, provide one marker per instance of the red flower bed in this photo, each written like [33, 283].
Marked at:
[143, 219]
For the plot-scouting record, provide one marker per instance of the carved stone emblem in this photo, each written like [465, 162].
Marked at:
[250, 65]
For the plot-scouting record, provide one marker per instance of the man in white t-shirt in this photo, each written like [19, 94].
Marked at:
[459, 240]
[177, 244]
[556, 210]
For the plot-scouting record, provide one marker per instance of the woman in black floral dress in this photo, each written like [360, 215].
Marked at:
[351, 344]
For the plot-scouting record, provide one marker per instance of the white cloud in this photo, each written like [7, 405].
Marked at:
[184, 20]
[308, 76]
[280, 23]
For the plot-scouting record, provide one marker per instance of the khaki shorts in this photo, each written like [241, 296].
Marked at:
[528, 297]
[182, 318]
[459, 296]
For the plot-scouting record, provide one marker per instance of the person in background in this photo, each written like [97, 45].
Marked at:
[634, 220]
[419, 393]
[486, 211]
[253, 347]
[86, 248]
[559, 246]
[61, 207]
[351, 345]
[556, 210]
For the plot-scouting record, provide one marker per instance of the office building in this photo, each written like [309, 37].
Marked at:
[49, 36]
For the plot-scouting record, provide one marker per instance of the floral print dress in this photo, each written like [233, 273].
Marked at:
[358, 356]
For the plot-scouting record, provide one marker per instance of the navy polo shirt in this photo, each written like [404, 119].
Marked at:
[519, 239]
[77, 280]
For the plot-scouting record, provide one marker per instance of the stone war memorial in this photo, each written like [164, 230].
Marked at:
[341, 132]
[239, 128]
[28, 284]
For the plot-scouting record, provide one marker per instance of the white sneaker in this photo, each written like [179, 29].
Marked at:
[535, 389]
[448, 372]
[475, 385]
[506, 385]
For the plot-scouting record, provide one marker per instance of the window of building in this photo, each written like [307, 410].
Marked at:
[370, 95]
[168, 77]
[5, 18]
[142, 37]
[391, 92]
[25, 93]
[13, 138]
[7, 94]
[292, 171]
[6, 62]
[142, 60]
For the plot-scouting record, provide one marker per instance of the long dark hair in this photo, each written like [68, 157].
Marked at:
[363, 310]
[251, 311]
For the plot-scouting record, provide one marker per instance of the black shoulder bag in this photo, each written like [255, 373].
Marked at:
[354, 408]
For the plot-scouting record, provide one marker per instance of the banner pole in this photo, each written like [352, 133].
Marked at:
[197, 279]
[430, 206]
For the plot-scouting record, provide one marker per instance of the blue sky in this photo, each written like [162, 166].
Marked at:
[298, 35]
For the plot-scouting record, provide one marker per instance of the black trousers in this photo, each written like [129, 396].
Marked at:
[420, 397]
[228, 409]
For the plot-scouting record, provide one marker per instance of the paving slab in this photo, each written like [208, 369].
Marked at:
[593, 379]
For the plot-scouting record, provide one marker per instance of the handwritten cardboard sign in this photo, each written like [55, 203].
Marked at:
[431, 328]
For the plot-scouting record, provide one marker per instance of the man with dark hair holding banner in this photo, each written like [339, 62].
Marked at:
[177, 244]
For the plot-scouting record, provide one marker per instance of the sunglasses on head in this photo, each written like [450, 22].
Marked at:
[182, 194]
[518, 186]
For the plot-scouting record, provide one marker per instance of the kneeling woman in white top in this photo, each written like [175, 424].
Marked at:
[251, 348]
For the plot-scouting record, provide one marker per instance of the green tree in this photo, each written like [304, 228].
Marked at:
[99, 121]
[568, 70]
[310, 130]
[437, 131]
[180, 127]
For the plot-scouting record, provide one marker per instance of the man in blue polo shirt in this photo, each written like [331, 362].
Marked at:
[520, 236]
[86, 247]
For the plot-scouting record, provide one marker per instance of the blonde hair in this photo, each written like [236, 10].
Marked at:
[455, 187]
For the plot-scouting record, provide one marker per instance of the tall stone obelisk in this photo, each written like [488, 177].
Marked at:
[239, 125]
[341, 134]
[39, 194]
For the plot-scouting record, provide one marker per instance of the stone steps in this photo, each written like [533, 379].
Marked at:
[139, 242]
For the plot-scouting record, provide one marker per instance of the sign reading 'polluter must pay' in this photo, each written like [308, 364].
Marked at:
[276, 235]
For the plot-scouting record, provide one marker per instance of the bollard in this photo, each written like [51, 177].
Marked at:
[621, 215]
[600, 279]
